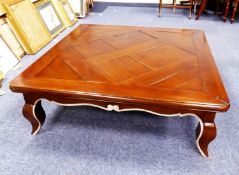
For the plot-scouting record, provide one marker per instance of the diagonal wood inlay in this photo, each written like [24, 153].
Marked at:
[99, 58]
[117, 68]
[131, 57]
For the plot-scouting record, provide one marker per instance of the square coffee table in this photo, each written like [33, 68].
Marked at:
[167, 72]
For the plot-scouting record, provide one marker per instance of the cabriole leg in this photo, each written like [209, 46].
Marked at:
[205, 132]
[35, 114]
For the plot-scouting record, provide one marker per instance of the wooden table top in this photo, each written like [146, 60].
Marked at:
[171, 67]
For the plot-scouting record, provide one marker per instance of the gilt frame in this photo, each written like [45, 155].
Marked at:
[43, 4]
[10, 39]
[7, 59]
[68, 19]
[17, 19]
[2, 11]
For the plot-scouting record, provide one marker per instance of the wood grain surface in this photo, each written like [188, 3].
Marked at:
[161, 66]
[168, 72]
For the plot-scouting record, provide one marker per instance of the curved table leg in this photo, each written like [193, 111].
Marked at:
[160, 7]
[226, 10]
[35, 114]
[234, 11]
[205, 132]
[201, 8]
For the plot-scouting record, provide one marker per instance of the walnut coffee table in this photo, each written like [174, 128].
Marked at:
[167, 72]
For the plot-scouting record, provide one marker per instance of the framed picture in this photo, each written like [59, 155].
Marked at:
[27, 25]
[7, 58]
[80, 7]
[2, 11]
[10, 39]
[69, 13]
[50, 16]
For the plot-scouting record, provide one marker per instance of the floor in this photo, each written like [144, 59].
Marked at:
[85, 140]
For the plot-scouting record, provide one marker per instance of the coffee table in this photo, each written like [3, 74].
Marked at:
[166, 72]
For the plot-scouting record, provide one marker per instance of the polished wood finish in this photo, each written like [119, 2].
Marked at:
[201, 9]
[34, 113]
[234, 11]
[209, 131]
[119, 68]
[226, 10]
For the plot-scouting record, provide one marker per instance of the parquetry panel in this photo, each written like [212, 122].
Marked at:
[134, 57]
[162, 66]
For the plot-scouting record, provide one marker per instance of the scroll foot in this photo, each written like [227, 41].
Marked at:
[205, 132]
[35, 115]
